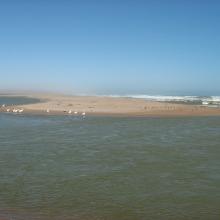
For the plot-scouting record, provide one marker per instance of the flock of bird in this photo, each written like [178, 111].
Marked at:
[14, 110]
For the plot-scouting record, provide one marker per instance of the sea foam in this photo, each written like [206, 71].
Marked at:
[164, 98]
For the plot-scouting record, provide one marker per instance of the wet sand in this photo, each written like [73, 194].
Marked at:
[96, 105]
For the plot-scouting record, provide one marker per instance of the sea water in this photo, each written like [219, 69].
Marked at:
[69, 167]
[212, 100]
[17, 100]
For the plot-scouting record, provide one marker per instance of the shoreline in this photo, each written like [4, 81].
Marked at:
[106, 106]
[116, 115]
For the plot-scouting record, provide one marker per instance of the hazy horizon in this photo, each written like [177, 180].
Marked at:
[110, 47]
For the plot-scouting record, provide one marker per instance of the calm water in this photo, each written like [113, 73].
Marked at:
[63, 167]
[16, 100]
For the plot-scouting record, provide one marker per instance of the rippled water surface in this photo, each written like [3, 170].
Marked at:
[66, 167]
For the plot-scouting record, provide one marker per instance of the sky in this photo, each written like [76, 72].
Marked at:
[156, 47]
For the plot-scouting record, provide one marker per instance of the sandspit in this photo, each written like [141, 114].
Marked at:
[96, 105]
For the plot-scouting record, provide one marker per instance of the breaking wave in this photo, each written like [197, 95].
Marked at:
[162, 98]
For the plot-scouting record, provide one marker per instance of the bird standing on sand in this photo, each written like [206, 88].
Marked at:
[83, 114]
[75, 112]
[70, 111]
[8, 110]
[48, 110]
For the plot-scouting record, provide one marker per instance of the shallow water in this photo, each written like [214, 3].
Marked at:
[17, 100]
[66, 167]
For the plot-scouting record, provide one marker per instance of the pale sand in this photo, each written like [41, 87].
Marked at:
[93, 105]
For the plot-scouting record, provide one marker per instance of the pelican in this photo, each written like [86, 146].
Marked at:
[70, 111]
[15, 110]
[20, 110]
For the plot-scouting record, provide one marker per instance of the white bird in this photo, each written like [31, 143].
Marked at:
[75, 113]
[3, 105]
[8, 110]
[20, 110]
[83, 114]
[48, 110]
[70, 111]
[15, 110]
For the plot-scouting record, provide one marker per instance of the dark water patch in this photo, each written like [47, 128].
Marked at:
[17, 100]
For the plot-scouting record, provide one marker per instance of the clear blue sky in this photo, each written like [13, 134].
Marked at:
[114, 46]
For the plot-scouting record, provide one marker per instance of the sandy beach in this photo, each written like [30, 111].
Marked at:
[96, 105]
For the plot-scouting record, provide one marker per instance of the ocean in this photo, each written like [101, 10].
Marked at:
[212, 101]
[109, 168]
